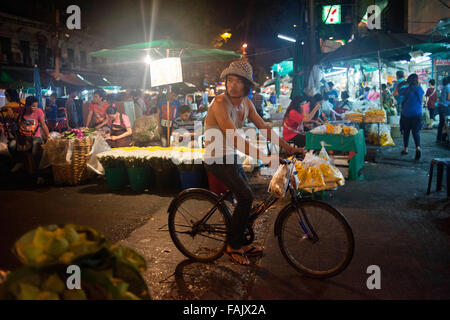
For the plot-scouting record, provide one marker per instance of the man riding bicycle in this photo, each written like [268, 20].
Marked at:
[226, 114]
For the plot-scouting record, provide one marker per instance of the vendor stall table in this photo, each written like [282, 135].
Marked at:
[355, 145]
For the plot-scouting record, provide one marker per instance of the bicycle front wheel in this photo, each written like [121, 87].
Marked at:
[197, 238]
[315, 239]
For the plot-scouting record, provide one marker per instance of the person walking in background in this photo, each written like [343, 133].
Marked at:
[443, 107]
[387, 97]
[273, 98]
[431, 98]
[51, 113]
[333, 96]
[71, 109]
[259, 101]
[205, 101]
[399, 84]
[411, 116]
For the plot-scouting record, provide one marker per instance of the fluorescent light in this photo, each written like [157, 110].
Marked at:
[421, 59]
[286, 38]
[104, 79]
[335, 73]
[339, 68]
[403, 61]
[80, 77]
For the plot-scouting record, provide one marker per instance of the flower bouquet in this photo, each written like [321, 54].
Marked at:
[79, 133]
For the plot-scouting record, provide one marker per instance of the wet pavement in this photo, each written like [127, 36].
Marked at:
[396, 226]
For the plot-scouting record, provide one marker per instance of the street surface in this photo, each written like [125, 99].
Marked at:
[396, 226]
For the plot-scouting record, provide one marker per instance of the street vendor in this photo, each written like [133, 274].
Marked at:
[227, 113]
[166, 119]
[293, 124]
[97, 109]
[120, 128]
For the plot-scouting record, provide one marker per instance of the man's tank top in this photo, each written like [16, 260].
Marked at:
[229, 148]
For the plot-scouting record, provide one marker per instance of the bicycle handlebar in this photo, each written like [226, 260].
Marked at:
[286, 161]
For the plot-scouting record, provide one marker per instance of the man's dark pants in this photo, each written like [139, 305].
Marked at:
[233, 176]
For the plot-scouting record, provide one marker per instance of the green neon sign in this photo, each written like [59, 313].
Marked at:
[331, 14]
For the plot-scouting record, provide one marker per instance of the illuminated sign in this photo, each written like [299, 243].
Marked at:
[442, 62]
[165, 71]
[331, 14]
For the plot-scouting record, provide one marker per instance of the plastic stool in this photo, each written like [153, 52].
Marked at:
[440, 162]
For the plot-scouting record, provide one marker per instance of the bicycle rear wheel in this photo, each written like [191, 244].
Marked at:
[328, 252]
[196, 240]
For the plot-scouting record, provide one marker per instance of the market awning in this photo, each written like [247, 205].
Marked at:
[391, 46]
[70, 79]
[97, 80]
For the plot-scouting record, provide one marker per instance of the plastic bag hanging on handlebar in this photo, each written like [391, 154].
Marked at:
[323, 152]
[280, 180]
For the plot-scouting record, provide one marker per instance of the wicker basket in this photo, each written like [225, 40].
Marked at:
[76, 172]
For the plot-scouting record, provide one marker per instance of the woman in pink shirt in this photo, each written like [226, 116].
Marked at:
[30, 124]
[296, 114]
[120, 128]
[373, 94]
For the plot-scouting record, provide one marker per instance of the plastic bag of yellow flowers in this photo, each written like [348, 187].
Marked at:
[316, 174]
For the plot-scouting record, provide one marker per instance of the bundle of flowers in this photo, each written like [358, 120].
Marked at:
[79, 133]
[375, 115]
[109, 159]
[156, 157]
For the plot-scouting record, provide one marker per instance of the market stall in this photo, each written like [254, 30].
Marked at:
[351, 144]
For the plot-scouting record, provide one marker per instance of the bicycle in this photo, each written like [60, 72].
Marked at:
[199, 221]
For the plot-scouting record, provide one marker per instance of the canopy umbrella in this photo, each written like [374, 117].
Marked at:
[37, 85]
[188, 52]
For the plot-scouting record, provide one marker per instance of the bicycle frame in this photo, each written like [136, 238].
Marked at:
[264, 205]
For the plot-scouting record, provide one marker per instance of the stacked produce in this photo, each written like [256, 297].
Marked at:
[107, 271]
[335, 129]
[375, 115]
[354, 116]
[350, 131]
